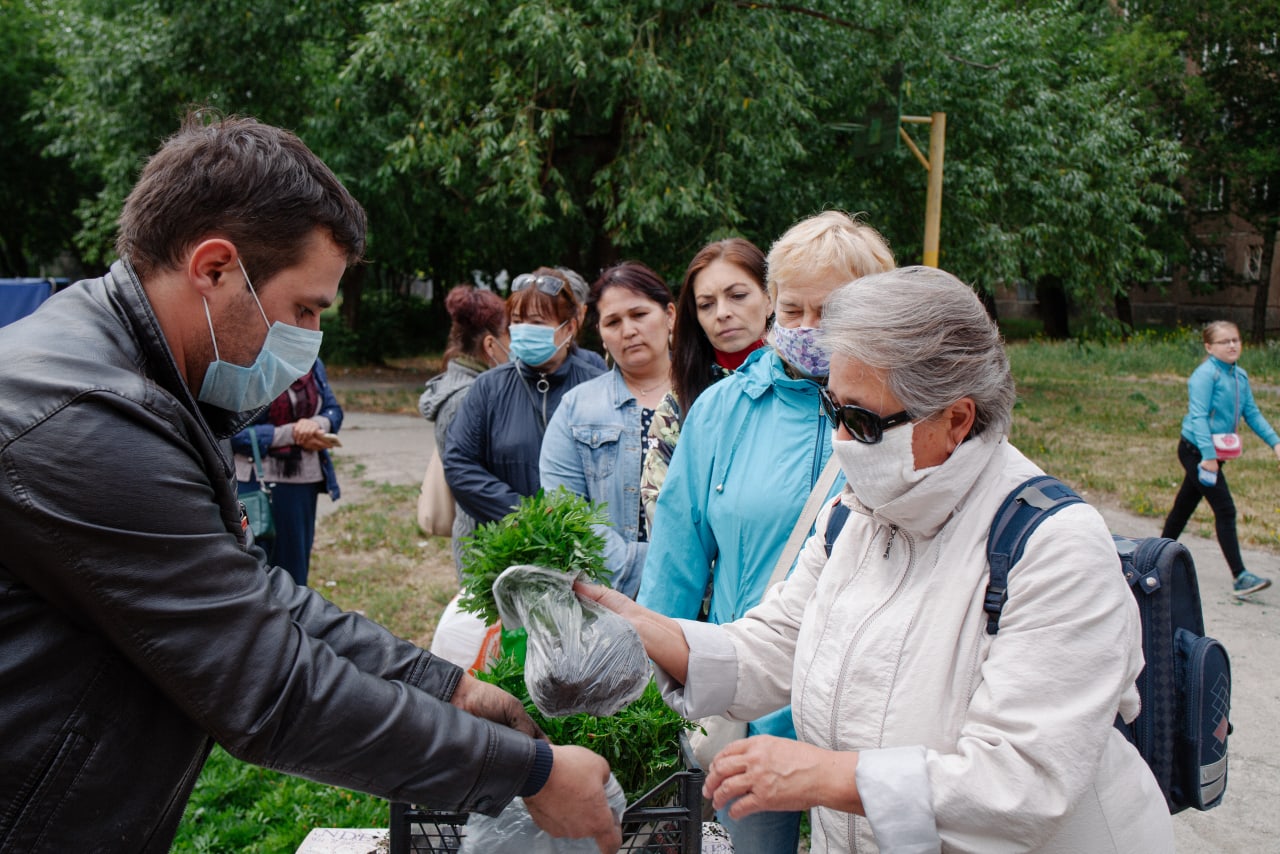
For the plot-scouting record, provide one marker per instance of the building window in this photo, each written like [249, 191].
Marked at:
[1213, 194]
[1207, 264]
[1252, 263]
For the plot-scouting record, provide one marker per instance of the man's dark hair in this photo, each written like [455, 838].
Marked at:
[256, 185]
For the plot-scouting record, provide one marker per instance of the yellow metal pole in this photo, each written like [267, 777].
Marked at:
[933, 198]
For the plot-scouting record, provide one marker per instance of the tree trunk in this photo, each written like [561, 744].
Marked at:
[1263, 295]
[1124, 310]
[1052, 300]
[988, 299]
[352, 290]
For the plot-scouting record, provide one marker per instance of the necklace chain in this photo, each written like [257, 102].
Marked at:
[659, 384]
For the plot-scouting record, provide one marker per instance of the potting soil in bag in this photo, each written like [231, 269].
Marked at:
[581, 658]
[513, 831]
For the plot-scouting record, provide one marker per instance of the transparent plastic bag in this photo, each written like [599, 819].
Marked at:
[513, 831]
[581, 658]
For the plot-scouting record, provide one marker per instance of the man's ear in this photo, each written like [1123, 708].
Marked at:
[209, 261]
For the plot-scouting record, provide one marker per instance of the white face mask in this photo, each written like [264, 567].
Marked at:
[881, 472]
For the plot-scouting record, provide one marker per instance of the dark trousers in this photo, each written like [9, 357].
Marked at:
[1219, 498]
[293, 508]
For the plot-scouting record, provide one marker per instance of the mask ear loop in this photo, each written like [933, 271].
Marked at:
[253, 293]
[212, 337]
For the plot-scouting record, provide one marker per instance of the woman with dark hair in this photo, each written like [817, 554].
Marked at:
[595, 441]
[737, 489]
[491, 448]
[722, 315]
[478, 340]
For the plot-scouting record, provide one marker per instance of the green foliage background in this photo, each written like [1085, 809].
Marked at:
[580, 132]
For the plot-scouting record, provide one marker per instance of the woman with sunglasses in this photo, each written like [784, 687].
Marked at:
[491, 448]
[595, 441]
[1218, 396]
[722, 315]
[751, 450]
[917, 729]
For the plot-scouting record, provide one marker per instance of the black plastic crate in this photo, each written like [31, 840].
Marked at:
[666, 820]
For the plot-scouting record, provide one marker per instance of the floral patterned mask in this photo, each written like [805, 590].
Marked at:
[800, 349]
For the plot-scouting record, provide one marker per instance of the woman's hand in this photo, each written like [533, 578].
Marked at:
[765, 772]
[1276, 450]
[305, 429]
[663, 640]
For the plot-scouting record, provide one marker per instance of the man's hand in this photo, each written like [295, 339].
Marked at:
[770, 773]
[493, 704]
[573, 804]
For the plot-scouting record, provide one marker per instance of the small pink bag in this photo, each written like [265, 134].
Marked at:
[1226, 445]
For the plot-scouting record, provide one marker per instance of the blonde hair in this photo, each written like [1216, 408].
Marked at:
[1213, 327]
[829, 241]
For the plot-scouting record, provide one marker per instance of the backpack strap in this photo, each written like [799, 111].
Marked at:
[1019, 515]
[839, 515]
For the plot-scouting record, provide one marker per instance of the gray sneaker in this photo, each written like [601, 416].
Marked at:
[1247, 582]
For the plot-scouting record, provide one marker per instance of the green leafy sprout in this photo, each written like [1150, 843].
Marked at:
[554, 529]
[641, 742]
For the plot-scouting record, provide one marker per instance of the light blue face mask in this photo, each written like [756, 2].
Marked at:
[287, 353]
[533, 343]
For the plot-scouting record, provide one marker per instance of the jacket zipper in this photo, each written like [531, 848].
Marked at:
[857, 637]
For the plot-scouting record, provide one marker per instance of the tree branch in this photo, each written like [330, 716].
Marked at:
[800, 10]
[963, 61]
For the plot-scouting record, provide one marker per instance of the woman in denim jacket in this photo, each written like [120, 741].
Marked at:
[595, 442]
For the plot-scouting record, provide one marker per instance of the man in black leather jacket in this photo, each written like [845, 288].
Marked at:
[138, 623]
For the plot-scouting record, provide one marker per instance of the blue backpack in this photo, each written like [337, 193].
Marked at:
[1185, 686]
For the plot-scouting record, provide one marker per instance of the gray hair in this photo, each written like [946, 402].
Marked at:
[931, 336]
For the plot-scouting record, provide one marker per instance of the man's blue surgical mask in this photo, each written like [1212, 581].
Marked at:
[533, 343]
[287, 353]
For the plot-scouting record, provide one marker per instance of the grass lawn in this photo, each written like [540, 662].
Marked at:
[1103, 418]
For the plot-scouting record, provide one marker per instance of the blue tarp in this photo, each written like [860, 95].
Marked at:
[20, 297]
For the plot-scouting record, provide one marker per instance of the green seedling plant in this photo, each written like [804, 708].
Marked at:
[552, 529]
[640, 742]
[557, 530]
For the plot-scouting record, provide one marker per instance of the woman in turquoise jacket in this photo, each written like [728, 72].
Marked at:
[1218, 397]
[738, 478]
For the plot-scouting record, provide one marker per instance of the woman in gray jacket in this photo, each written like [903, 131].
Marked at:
[478, 340]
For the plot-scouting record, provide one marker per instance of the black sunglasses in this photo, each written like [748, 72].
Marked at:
[549, 285]
[862, 424]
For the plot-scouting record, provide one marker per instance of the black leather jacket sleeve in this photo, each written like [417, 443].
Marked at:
[139, 546]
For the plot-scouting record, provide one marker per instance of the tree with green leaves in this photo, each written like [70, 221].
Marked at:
[1051, 175]
[127, 70]
[583, 132]
[1227, 109]
[39, 193]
